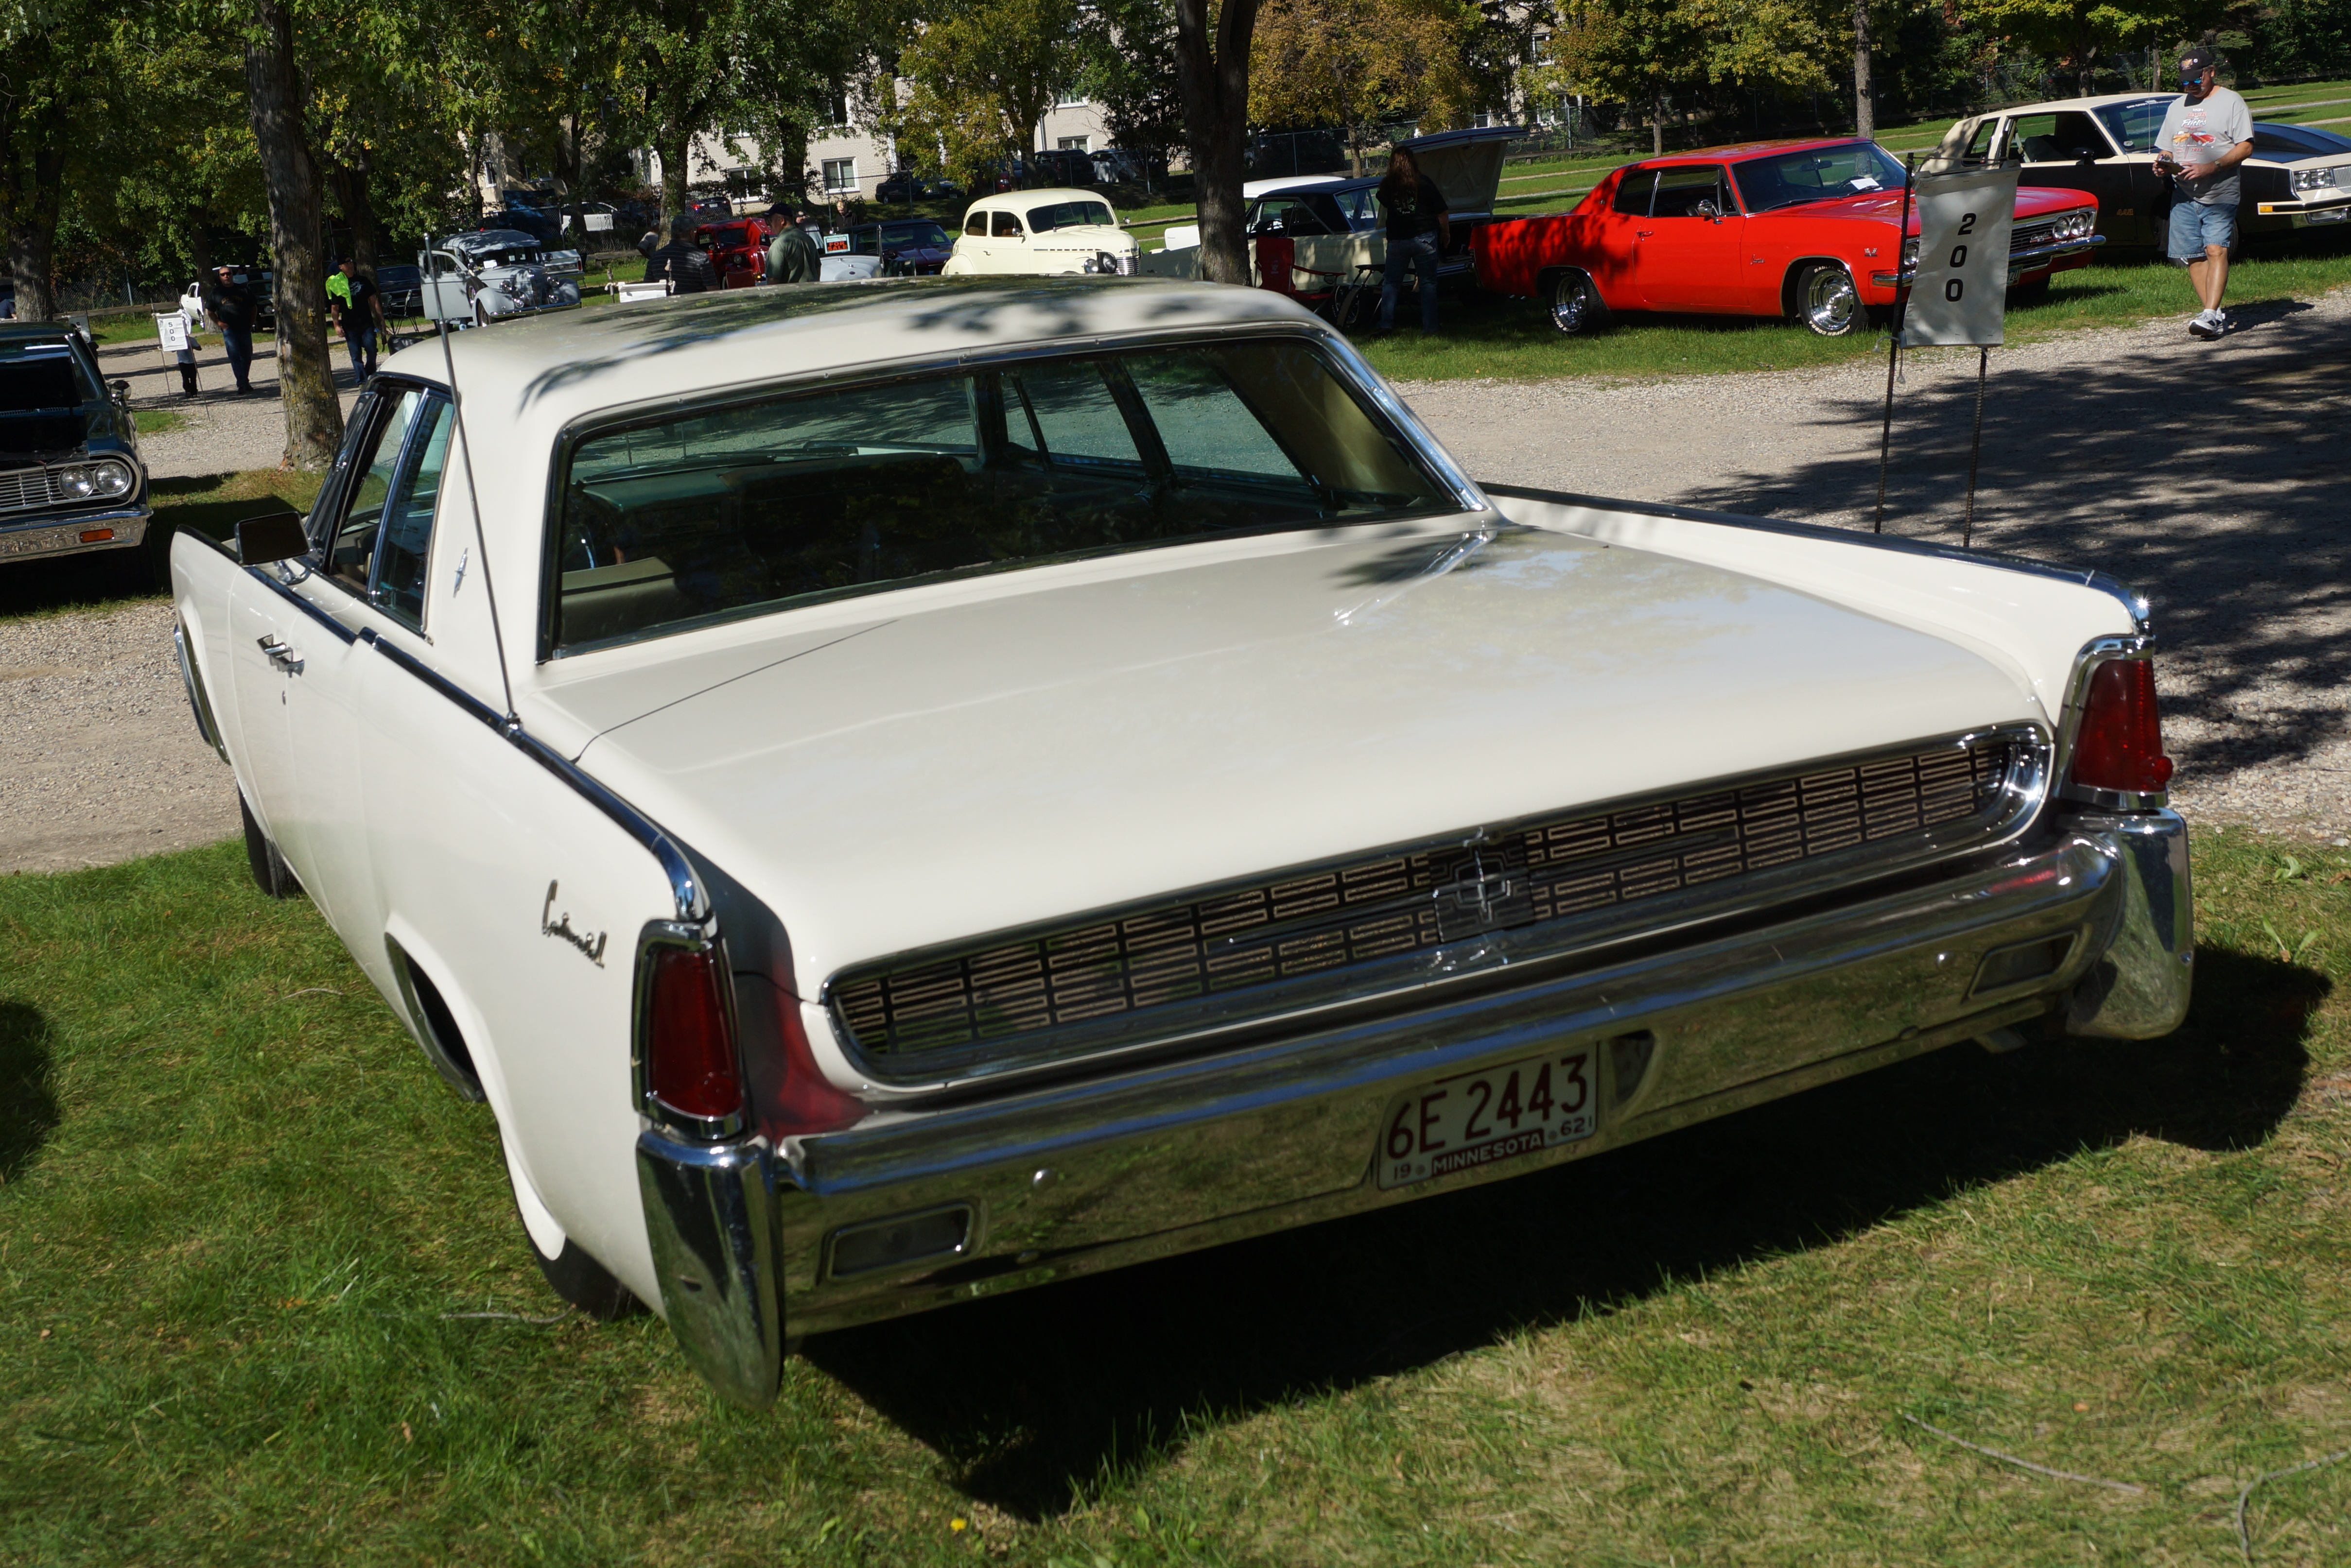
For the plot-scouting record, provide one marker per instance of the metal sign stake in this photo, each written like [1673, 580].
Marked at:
[1894, 349]
[1975, 449]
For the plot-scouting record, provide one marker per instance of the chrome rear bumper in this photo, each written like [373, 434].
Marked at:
[1091, 1175]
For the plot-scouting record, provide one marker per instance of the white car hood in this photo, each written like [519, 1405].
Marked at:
[909, 768]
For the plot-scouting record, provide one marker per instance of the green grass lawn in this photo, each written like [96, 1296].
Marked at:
[155, 421]
[264, 1300]
[1515, 340]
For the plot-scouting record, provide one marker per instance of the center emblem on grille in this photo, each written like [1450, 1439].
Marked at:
[1486, 891]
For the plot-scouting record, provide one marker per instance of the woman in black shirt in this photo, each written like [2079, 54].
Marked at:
[1418, 231]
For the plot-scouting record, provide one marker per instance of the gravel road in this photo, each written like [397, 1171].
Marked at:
[221, 432]
[2209, 476]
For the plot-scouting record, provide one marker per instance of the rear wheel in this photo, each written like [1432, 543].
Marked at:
[1826, 302]
[1576, 307]
[271, 872]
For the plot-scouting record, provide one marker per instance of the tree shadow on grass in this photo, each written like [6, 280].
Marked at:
[29, 1108]
[1030, 1397]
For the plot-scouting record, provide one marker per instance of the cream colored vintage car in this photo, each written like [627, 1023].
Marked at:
[1041, 234]
[901, 792]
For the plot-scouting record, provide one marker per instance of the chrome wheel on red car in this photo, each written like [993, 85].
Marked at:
[1576, 307]
[1826, 300]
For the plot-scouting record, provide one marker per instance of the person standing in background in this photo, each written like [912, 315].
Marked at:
[2205, 135]
[686, 265]
[232, 308]
[186, 357]
[1419, 230]
[792, 256]
[359, 310]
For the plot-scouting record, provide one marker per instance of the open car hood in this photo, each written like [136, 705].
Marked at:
[1465, 164]
[899, 769]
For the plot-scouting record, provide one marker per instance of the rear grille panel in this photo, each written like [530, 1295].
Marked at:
[1155, 970]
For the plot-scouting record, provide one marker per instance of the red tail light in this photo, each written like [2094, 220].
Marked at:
[2121, 743]
[808, 1103]
[690, 1061]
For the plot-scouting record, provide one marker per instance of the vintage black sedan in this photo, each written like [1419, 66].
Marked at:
[71, 481]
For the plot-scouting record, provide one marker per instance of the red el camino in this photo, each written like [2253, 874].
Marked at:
[1802, 229]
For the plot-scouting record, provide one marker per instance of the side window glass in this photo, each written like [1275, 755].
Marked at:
[351, 552]
[1679, 191]
[2077, 137]
[408, 517]
[976, 224]
[355, 440]
[1008, 226]
[1204, 428]
[2033, 137]
[1069, 415]
[1632, 192]
[1980, 145]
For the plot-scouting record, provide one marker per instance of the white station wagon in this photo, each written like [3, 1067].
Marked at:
[904, 790]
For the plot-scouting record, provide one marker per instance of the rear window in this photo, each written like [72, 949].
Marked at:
[710, 516]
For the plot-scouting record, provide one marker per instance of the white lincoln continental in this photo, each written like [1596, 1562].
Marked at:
[904, 790]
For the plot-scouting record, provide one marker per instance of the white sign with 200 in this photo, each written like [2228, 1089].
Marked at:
[1961, 290]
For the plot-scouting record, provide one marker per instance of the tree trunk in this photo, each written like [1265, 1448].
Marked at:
[1865, 106]
[33, 235]
[306, 377]
[1658, 124]
[674, 144]
[351, 196]
[1215, 74]
[568, 161]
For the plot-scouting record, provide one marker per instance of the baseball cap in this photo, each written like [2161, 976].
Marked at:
[2195, 61]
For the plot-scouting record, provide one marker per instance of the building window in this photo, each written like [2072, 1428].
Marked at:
[1069, 99]
[1072, 143]
[841, 176]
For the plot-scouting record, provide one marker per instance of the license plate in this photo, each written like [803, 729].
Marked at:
[1479, 1119]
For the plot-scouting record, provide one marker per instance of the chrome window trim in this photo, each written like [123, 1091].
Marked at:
[1540, 948]
[689, 936]
[2099, 650]
[1385, 407]
[2095, 580]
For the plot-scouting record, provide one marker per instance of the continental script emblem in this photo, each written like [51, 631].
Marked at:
[560, 928]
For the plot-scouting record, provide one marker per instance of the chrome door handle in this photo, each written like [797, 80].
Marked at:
[281, 654]
[1643, 233]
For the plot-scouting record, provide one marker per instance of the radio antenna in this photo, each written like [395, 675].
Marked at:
[474, 496]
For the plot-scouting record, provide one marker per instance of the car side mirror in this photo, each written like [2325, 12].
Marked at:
[277, 537]
[1710, 212]
[121, 391]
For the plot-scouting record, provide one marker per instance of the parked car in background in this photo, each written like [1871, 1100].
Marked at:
[2298, 177]
[401, 289]
[1041, 232]
[543, 226]
[907, 246]
[738, 249]
[497, 275]
[1334, 226]
[1809, 230]
[957, 786]
[72, 479]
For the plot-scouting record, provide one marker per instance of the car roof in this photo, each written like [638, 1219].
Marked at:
[2101, 101]
[36, 332]
[1730, 151]
[1022, 201]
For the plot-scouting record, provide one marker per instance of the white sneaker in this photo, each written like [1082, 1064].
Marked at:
[2203, 324]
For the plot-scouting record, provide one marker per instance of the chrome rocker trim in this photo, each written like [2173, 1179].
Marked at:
[1681, 1036]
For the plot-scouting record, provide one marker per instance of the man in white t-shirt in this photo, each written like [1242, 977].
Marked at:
[2205, 135]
